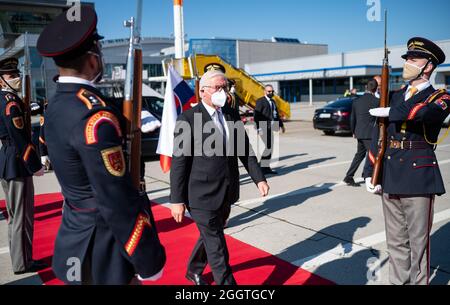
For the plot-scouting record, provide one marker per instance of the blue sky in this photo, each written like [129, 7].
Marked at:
[342, 24]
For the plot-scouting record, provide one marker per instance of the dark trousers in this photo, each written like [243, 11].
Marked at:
[363, 146]
[267, 138]
[211, 247]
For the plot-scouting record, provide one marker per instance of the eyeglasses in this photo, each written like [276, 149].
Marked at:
[270, 91]
[217, 88]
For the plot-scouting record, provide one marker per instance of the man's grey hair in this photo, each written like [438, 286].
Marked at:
[204, 81]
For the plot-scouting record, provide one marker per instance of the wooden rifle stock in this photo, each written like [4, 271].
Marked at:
[132, 105]
[132, 113]
[382, 126]
[382, 122]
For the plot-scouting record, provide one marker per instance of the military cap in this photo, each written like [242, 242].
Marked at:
[9, 65]
[63, 38]
[214, 67]
[424, 48]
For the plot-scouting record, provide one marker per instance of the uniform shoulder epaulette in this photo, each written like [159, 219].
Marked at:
[90, 99]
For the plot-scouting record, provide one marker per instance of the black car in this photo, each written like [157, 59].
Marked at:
[334, 117]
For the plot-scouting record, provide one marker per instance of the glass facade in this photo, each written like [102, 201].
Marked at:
[225, 48]
[293, 90]
[17, 22]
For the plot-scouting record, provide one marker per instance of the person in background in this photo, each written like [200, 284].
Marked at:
[362, 124]
[19, 161]
[267, 119]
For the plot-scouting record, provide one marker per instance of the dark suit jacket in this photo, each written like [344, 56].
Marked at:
[362, 122]
[263, 113]
[203, 181]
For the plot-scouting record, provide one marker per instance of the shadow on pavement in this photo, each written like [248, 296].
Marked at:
[440, 255]
[273, 205]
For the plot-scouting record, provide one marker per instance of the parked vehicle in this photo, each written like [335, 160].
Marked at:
[334, 117]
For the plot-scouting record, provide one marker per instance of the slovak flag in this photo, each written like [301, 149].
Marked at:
[178, 98]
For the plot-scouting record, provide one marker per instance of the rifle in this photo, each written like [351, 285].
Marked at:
[194, 73]
[26, 87]
[132, 104]
[384, 102]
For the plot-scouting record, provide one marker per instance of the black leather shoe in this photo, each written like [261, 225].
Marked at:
[34, 267]
[350, 181]
[197, 279]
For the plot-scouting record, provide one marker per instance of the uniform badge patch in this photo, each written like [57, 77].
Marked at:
[9, 106]
[18, 122]
[443, 102]
[114, 161]
[91, 130]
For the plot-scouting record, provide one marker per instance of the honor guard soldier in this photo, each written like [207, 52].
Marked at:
[411, 177]
[19, 161]
[107, 228]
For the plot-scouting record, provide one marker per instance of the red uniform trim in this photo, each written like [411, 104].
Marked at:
[136, 235]
[414, 111]
[10, 105]
[371, 158]
[27, 153]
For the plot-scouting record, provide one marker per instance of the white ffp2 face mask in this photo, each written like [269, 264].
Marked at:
[219, 98]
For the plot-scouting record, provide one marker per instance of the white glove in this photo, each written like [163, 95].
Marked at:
[40, 172]
[45, 160]
[380, 112]
[149, 122]
[371, 188]
[153, 278]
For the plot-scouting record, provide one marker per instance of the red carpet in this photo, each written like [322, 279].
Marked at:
[251, 266]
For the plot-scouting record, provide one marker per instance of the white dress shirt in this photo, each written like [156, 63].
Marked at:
[75, 80]
[214, 113]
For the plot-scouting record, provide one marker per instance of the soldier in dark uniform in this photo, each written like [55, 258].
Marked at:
[19, 161]
[107, 229]
[411, 177]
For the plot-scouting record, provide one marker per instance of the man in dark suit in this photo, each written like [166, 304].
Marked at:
[362, 124]
[204, 176]
[267, 119]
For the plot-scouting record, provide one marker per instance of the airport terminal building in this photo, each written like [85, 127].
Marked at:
[325, 77]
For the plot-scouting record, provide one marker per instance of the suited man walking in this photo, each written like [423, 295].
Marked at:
[267, 119]
[362, 124]
[204, 176]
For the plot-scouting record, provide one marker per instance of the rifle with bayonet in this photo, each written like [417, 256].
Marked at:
[132, 105]
[382, 122]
